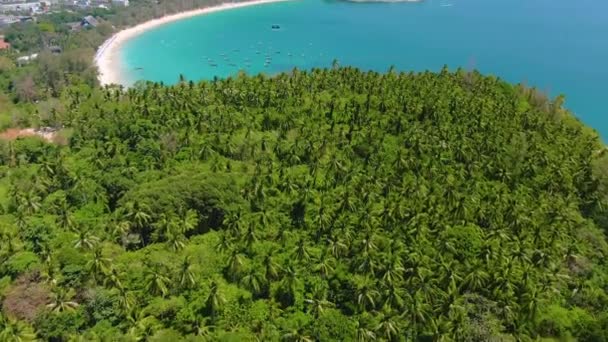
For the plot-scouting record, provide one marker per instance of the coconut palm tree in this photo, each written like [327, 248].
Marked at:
[98, 265]
[215, 300]
[14, 330]
[296, 335]
[253, 281]
[156, 280]
[318, 303]
[61, 300]
[186, 276]
[85, 239]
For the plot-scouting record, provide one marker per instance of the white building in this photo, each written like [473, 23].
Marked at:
[20, 7]
[26, 59]
[124, 3]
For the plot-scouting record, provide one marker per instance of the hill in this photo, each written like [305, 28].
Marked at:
[331, 205]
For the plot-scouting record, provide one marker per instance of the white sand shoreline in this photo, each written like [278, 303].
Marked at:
[107, 58]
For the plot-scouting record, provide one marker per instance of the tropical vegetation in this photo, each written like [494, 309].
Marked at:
[329, 205]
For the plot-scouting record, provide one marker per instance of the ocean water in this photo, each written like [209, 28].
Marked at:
[559, 46]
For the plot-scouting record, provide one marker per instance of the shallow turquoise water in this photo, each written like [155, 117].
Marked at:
[560, 46]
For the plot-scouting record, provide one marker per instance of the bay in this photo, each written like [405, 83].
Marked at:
[559, 46]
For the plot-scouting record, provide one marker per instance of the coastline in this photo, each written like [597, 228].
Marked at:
[107, 59]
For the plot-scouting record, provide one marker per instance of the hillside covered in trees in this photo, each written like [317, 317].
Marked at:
[330, 205]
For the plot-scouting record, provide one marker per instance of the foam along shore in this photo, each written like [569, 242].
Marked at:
[107, 57]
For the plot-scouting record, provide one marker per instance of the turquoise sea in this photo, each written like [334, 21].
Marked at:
[560, 46]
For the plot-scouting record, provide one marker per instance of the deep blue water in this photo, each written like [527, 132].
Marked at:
[560, 46]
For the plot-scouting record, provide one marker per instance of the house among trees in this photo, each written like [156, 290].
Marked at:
[26, 59]
[75, 26]
[54, 49]
[3, 44]
[89, 21]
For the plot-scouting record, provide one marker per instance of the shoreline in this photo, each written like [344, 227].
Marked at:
[107, 59]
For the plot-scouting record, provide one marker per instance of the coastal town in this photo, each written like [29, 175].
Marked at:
[22, 12]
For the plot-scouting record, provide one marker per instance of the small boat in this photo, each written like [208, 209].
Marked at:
[257, 52]
[213, 64]
[278, 52]
[232, 64]
[276, 27]
[139, 68]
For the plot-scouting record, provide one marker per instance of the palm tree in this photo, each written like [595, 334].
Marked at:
[225, 243]
[63, 211]
[289, 285]
[366, 294]
[364, 331]
[235, 264]
[318, 303]
[142, 327]
[175, 238]
[253, 281]
[271, 268]
[126, 300]
[389, 328]
[15, 331]
[393, 296]
[336, 247]
[137, 213]
[61, 300]
[186, 276]
[112, 278]
[98, 264]
[85, 240]
[476, 279]
[30, 202]
[156, 281]
[301, 250]
[215, 300]
[325, 266]
[296, 335]
[393, 271]
[188, 221]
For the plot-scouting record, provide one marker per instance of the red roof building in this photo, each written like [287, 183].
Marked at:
[4, 45]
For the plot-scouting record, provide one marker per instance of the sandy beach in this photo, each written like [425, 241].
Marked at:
[107, 58]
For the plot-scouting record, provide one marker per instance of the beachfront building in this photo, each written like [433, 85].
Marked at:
[123, 3]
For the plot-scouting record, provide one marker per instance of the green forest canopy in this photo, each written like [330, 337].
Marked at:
[331, 205]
